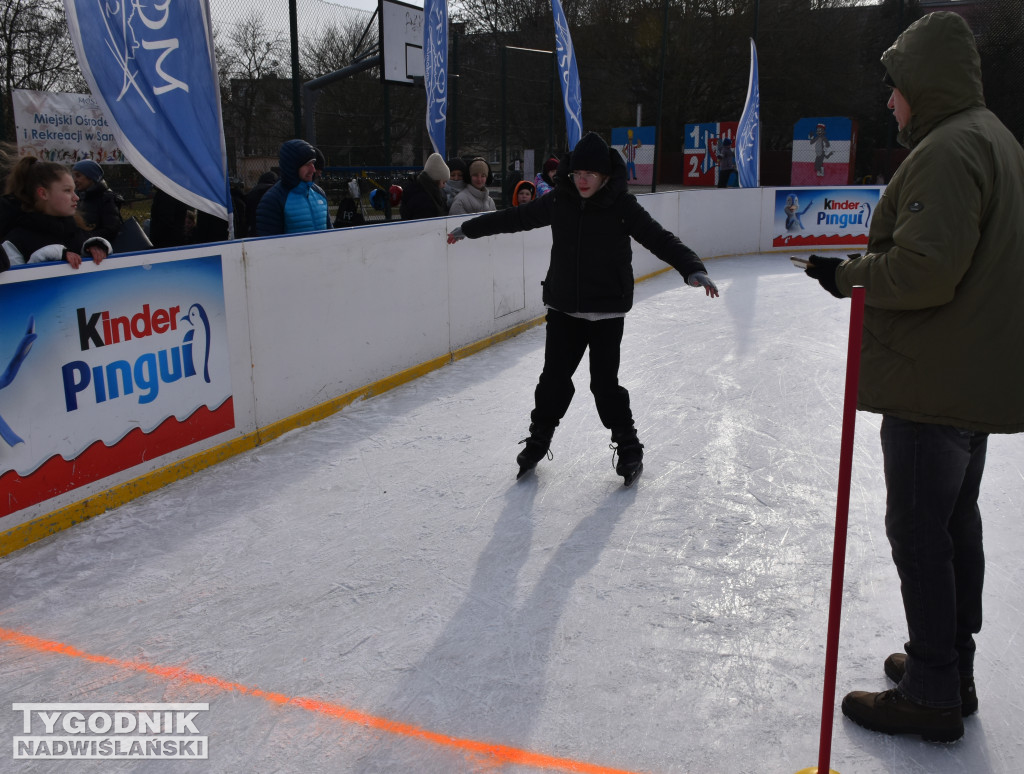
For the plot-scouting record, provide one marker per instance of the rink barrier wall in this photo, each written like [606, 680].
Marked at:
[344, 334]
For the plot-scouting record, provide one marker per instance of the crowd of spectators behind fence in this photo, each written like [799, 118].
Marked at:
[289, 198]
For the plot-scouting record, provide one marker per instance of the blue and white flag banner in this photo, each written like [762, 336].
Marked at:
[748, 135]
[435, 70]
[150, 64]
[572, 98]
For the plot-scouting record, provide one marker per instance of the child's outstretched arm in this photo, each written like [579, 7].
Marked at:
[701, 279]
[508, 221]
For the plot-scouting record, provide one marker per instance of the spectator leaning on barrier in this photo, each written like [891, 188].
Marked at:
[423, 196]
[97, 205]
[941, 361]
[474, 197]
[43, 226]
[295, 203]
[458, 170]
[524, 192]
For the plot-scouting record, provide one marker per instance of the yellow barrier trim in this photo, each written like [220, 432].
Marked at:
[36, 529]
[75, 513]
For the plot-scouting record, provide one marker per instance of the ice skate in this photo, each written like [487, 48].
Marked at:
[630, 453]
[538, 445]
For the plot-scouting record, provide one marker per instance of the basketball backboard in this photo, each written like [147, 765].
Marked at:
[401, 42]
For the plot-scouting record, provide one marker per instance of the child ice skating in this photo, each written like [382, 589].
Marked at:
[588, 289]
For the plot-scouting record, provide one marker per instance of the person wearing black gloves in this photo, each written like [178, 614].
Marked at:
[588, 289]
[941, 361]
[824, 270]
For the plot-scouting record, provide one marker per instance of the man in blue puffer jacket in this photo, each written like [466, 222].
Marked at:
[294, 203]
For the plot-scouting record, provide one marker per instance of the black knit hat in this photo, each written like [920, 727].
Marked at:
[459, 163]
[592, 154]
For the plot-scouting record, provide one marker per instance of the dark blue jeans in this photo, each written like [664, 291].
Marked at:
[567, 338]
[932, 477]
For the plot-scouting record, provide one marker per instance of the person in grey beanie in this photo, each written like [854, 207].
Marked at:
[588, 289]
[98, 206]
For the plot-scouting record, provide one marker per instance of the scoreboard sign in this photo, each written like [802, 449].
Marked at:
[700, 151]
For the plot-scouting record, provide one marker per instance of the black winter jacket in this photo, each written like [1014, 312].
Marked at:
[422, 198]
[32, 231]
[97, 205]
[591, 255]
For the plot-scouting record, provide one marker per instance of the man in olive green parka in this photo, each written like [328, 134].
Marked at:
[941, 360]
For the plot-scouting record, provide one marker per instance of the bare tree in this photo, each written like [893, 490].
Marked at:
[251, 60]
[35, 52]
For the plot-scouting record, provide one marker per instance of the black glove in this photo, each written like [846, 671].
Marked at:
[824, 270]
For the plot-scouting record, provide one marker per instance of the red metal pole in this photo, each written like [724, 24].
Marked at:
[842, 518]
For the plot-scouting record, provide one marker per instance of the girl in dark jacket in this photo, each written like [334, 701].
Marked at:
[588, 289]
[43, 224]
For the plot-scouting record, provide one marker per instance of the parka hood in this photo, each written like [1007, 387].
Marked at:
[293, 154]
[935, 65]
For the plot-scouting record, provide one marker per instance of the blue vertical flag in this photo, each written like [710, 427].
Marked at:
[151, 67]
[435, 69]
[572, 98]
[748, 133]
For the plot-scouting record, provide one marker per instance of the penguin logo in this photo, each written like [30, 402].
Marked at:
[11, 371]
[197, 342]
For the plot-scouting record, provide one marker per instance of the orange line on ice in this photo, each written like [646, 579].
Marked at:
[499, 753]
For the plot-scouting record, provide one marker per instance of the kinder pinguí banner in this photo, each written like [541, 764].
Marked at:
[823, 217]
[139, 369]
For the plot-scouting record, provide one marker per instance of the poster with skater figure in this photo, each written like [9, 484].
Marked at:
[823, 151]
[636, 146]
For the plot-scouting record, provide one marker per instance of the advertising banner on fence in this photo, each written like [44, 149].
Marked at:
[823, 217]
[140, 368]
[65, 128]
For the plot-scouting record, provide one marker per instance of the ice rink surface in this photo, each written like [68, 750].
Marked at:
[377, 594]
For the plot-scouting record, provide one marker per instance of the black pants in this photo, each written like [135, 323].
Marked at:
[932, 477]
[567, 339]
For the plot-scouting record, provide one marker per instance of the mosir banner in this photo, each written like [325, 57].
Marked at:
[65, 128]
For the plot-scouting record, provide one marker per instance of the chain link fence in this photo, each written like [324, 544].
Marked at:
[505, 101]
[816, 59]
